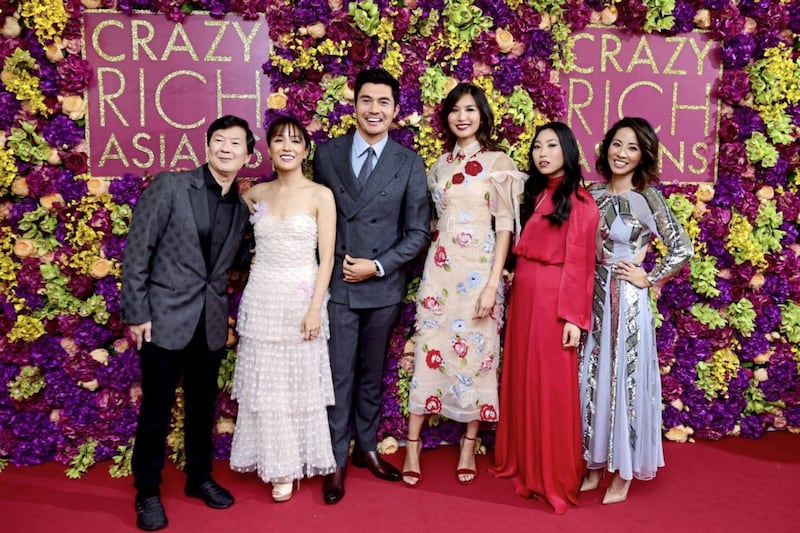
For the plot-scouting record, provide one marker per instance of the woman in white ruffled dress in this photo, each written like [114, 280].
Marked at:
[282, 379]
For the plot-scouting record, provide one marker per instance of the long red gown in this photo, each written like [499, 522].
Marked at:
[538, 443]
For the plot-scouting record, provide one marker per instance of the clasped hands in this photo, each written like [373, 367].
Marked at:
[358, 269]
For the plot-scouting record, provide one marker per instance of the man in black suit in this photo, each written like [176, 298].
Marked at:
[186, 231]
[382, 223]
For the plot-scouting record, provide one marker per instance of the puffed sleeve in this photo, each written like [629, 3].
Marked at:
[509, 184]
[577, 279]
[663, 223]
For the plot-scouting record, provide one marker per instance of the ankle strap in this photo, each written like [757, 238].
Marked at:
[411, 440]
[470, 438]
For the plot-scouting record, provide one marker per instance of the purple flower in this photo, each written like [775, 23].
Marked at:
[684, 17]
[75, 73]
[737, 50]
[751, 427]
[62, 132]
[9, 107]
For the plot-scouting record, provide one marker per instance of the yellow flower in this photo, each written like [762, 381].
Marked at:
[277, 101]
[24, 248]
[97, 186]
[49, 17]
[505, 40]
[100, 268]
[74, 106]
[388, 445]
[100, 355]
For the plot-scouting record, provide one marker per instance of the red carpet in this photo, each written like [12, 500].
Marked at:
[726, 486]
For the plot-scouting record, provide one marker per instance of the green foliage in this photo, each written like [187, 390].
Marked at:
[122, 461]
[707, 315]
[27, 384]
[83, 460]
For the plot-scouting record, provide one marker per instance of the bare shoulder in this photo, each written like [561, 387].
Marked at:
[320, 192]
[258, 192]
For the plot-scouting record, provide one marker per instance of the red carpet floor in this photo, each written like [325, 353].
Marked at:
[727, 486]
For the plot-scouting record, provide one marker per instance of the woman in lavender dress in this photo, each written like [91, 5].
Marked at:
[620, 380]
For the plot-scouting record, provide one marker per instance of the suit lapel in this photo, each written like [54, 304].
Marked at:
[344, 169]
[199, 202]
[391, 159]
[234, 237]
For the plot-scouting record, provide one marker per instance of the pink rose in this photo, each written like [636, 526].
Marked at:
[460, 347]
[488, 413]
[434, 360]
[433, 405]
[473, 168]
[464, 238]
[440, 257]
[458, 179]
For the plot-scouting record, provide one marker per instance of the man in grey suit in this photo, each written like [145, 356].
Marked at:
[382, 223]
[186, 232]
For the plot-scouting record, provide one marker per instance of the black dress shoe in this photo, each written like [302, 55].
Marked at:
[212, 494]
[333, 486]
[379, 468]
[150, 514]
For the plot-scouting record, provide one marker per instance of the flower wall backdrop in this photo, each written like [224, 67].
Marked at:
[730, 323]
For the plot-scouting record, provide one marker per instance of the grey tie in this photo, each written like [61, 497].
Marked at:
[366, 168]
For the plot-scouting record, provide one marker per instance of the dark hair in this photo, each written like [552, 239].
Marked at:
[646, 171]
[288, 122]
[380, 77]
[484, 133]
[562, 197]
[230, 121]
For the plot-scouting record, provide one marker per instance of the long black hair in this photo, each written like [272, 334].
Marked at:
[646, 172]
[562, 197]
[486, 127]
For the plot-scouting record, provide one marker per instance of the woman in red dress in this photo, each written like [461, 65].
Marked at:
[538, 441]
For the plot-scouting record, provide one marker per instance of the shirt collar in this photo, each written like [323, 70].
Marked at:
[471, 149]
[215, 187]
[359, 145]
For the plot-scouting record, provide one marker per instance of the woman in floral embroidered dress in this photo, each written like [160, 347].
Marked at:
[460, 302]
[620, 379]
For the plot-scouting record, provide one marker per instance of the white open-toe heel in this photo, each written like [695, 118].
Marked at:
[282, 492]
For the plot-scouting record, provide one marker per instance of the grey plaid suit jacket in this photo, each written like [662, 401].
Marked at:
[164, 274]
[388, 219]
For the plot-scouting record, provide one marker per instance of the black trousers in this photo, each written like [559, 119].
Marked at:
[161, 372]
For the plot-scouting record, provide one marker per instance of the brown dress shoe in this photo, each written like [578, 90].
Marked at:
[379, 468]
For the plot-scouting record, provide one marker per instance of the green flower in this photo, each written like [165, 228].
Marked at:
[759, 150]
[432, 84]
[366, 16]
[742, 316]
[707, 315]
[703, 275]
[465, 20]
[790, 321]
[27, 384]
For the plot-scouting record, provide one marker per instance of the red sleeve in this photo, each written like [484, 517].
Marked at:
[577, 278]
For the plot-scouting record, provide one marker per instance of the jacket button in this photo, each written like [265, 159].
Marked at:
[383, 193]
[373, 221]
[374, 250]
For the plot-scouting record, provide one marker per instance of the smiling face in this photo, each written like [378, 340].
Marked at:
[624, 154]
[226, 154]
[464, 119]
[375, 110]
[287, 149]
[547, 155]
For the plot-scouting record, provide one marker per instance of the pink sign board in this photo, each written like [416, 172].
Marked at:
[669, 81]
[158, 85]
